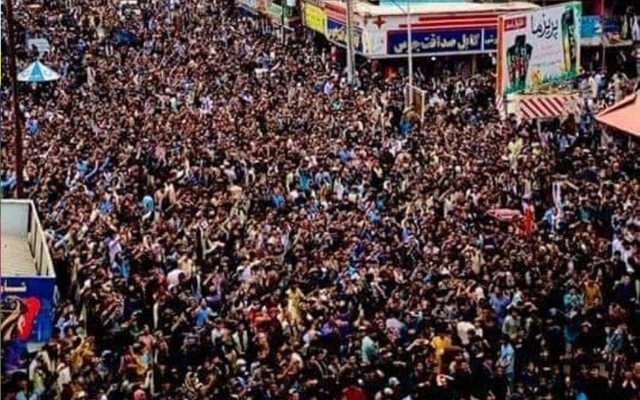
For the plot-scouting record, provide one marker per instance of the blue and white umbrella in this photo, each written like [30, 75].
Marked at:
[38, 72]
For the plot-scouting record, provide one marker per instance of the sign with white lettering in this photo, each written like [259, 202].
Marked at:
[463, 41]
[538, 47]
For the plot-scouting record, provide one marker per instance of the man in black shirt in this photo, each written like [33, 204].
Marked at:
[596, 386]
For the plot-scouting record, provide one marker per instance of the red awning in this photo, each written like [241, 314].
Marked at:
[547, 106]
[623, 116]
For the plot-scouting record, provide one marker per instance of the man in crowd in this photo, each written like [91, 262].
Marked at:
[230, 219]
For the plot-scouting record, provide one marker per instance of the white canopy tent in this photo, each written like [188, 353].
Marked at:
[37, 73]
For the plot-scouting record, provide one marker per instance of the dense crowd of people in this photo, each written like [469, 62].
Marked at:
[230, 219]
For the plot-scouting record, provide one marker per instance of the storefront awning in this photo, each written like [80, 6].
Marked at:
[623, 116]
[545, 106]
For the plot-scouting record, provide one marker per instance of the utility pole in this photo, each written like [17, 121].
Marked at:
[410, 52]
[603, 62]
[283, 9]
[13, 73]
[350, 58]
[408, 15]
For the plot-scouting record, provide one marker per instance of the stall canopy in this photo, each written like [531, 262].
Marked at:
[623, 116]
[38, 72]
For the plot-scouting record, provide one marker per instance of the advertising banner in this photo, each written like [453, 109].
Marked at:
[590, 27]
[538, 47]
[595, 29]
[617, 31]
[314, 18]
[337, 33]
[438, 42]
[27, 317]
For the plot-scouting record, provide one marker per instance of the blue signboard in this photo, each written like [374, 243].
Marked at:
[611, 25]
[594, 28]
[27, 317]
[590, 27]
[440, 42]
[489, 39]
[337, 33]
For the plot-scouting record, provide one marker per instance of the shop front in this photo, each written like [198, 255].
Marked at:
[282, 13]
[452, 31]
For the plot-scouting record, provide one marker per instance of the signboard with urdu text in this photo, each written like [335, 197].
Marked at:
[337, 33]
[314, 18]
[427, 43]
[538, 47]
[590, 27]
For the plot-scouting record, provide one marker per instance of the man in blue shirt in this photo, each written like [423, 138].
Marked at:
[203, 313]
[507, 359]
[499, 303]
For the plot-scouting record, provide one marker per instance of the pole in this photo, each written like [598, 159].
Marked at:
[13, 73]
[407, 12]
[410, 52]
[282, 30]
[603, 62]
[350, 60]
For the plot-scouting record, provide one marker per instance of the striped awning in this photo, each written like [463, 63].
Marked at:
[548, 106]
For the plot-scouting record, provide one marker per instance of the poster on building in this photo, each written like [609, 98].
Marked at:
[538, 48]
[27, 317]
[591, 30]
[337, 33]
[314, 18]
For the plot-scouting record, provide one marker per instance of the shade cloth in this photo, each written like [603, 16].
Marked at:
[624, 115]
[38, 72]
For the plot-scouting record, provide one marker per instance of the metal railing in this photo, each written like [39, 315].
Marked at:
[19, 218]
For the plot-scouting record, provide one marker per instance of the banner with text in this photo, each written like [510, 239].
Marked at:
[337, 33]
[314, 18]
[538, 47]
[427, 43]
[590, 30]
[596, 31]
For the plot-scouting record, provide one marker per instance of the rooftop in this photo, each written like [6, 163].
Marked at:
[24, 246]
[437, 8]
